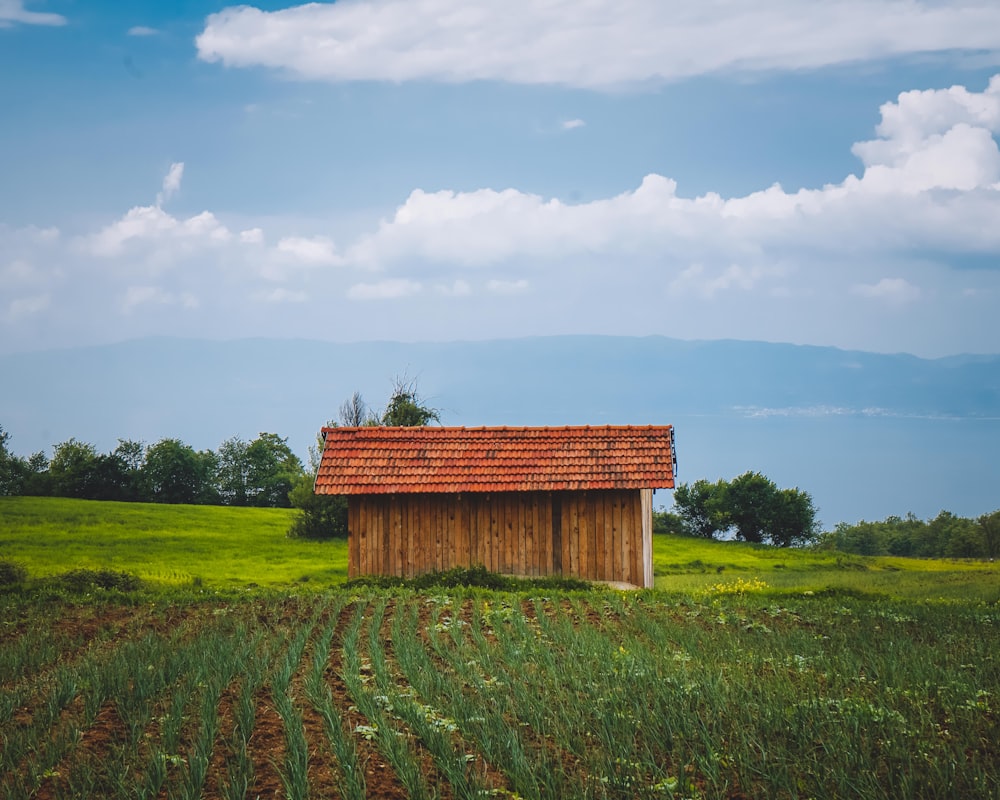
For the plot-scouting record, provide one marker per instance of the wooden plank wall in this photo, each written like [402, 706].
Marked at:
[597, 535]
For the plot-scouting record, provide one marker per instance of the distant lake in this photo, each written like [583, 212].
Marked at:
[855, 467]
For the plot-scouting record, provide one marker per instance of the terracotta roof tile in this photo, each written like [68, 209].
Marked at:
[448, 460]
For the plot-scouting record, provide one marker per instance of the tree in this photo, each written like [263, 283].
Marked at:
[232, 472]
[702, 508]
[669, 523]
[11, 467]
[322, 516]
[354, 412]
[990, 526]
[175, 473]
[273, 470]
[407, 408]
[751, 505]
[794, 519]
[73, 469]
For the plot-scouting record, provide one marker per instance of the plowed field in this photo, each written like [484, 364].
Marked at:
[472, 694]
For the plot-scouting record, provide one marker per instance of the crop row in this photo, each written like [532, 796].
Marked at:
[472, 694]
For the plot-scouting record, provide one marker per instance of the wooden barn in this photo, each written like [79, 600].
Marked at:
[573, 501]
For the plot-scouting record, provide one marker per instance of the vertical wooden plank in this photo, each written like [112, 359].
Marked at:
[574, 534]
[408, 547]
[647, 538]
[459, 533]
[479, 532]
[364, 560]
[555, 510]
[627, 534]
[493, 516]
[599, 531]
[586, 562]
[530, 522]
[616, 538]
[397, 534]
[352, 538]
[518, 564]
[608, 521]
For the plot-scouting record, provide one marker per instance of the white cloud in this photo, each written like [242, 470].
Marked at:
[894, 291]
[142, 30]
[171, 183]
[12, 11]
[597, 44]
[770, 264]
[388, 289]
[698, 280]
[314, 251]
[931, 181]
[571, 124]
[151, 224]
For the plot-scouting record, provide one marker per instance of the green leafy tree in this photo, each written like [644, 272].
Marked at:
[407, 408]
[990, 526]
[669, 523]
[175, 473]
[273, 470]
[11, 467]
[702, 508]
[751, 502]
[73, 469]
[751, 506]
[793, 520]
[233, 472]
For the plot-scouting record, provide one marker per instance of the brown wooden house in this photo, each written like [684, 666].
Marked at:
[573, 501]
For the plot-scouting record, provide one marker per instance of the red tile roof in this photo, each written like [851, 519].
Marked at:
[449, 460]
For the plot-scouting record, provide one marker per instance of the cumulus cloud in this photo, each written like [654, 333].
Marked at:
[914, 230]
[930, 180]
[13, 11]
[312, 251]
[598, 44]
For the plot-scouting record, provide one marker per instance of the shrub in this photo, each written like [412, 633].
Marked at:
[477, 577]
[12, 573]
[82, 580]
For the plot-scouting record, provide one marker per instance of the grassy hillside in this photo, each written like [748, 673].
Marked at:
[236, 547]
[172, 545]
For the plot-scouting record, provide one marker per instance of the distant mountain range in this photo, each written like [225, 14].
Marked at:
[816, 417]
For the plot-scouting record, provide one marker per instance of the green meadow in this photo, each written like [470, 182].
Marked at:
[165, 545]
[233, 548]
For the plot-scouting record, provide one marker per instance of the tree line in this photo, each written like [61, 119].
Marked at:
[261, 472]
[944, 536]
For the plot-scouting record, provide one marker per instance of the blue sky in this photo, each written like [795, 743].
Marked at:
[812, 173]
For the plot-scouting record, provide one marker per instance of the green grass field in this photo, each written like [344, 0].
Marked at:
[227, 548]
[165, 545]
